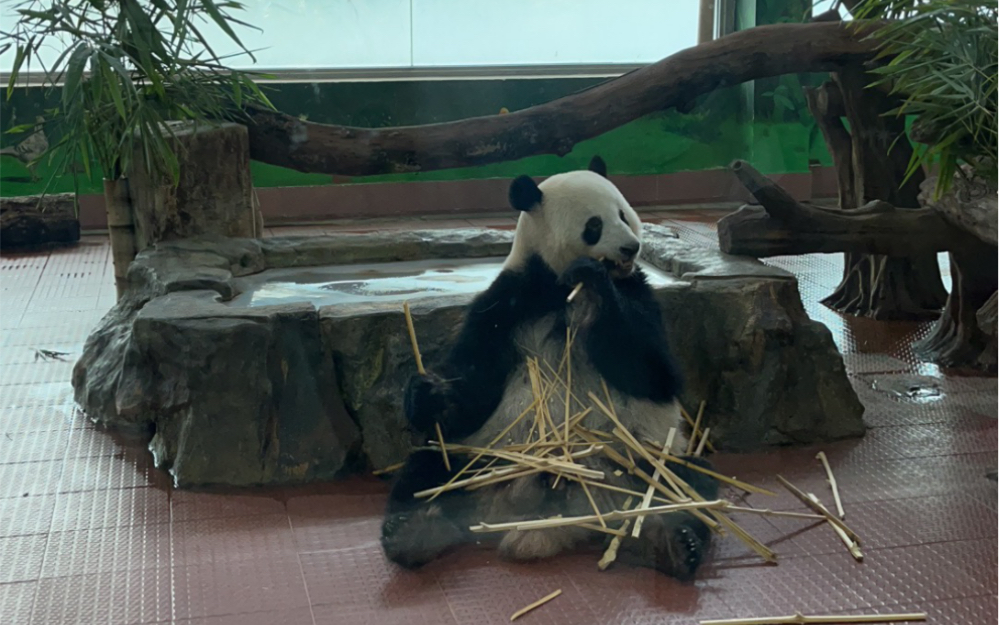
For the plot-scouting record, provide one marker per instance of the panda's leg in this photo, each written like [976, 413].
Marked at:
[415, 531]
[675, 543]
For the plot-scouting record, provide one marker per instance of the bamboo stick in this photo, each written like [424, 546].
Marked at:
[700, 445]
[440, 437]
[851, 545]
[412, 338]
[604, 530]
[751, 541]
[472, 480]
[800, 619]
[697, 426]
[819, 508]
[749, 488]
[389, 469]
[614, 515]
[670, 495]
[537, 604]
[593, 504]
[690, 421]
[495, 440]
[781, 513]
[419, 369]
[577, 289]
[626, 437]
[832, 483]
[611, 554]
[647, 499]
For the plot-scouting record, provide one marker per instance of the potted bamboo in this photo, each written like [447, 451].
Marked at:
[127, 70]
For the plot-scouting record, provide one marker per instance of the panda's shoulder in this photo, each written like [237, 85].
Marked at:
[533, 280]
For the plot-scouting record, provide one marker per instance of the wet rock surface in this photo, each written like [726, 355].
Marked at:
[291, 393]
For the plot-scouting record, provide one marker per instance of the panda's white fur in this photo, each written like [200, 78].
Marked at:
[553, 217]
[568, 201]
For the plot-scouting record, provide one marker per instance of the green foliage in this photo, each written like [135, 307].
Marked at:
[942, 61]
[126, 69]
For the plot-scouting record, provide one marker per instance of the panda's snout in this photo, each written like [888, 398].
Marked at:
[628, 252]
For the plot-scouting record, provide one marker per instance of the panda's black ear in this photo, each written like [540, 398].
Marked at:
[598, 166]
[524, 193]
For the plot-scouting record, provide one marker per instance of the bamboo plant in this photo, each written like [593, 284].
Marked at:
[941, 59]
[126, 69]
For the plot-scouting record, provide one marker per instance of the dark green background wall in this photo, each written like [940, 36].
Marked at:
[765, 122]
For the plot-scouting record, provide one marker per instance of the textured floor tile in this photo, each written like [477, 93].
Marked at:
[297, 616]
[189, 506]
[914, 489]
[966, 436]
[901, 523]
[91, 441]
[104, 472]
[976, 558]
[37, 372]
[625, 594]
[113, 597]
[19, 347]
[33, 446]
[360, 586]
[107, 549]
[902, 575]
[21, 516]
[30, 478]
[892, 479]
[469, 579]
[329, 522]
[31, 395]
[265, 584]
[40, 419]
[21, 557]
[232, 539]
[964, 611]
[122, 507]
[16, 601]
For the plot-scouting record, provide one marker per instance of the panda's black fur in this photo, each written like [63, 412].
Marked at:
[624, 341]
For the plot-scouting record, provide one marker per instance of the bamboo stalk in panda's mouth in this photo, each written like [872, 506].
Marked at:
[577, 288]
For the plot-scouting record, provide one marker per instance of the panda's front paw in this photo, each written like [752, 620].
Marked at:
[426, 401]
[589, 272]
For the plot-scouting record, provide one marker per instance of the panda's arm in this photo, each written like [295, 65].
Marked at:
[627, 342]
[465, 387]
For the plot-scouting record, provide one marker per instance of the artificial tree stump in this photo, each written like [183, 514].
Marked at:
[876, 155]
[36, 220]
[214, 193]
[783, 226]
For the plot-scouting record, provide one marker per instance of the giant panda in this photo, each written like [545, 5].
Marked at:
[573, 228]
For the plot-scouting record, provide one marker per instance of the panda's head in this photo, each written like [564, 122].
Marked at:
[579, 213]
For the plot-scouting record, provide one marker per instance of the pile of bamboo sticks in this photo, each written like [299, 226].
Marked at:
[559, 444]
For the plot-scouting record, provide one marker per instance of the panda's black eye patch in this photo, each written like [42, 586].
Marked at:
[594, 228]
[623, 218]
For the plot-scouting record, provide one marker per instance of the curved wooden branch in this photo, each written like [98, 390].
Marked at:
[555, 127]
[783, 226]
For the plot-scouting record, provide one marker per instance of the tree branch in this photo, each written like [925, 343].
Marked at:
[784, 226]
[555, 127]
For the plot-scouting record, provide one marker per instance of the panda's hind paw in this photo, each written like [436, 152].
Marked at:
[687, 553]
[414, 539]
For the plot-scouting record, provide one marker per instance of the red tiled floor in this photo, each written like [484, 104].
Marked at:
[91, 533]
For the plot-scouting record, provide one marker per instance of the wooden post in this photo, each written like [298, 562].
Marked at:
[706, 22]
[121, 229]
